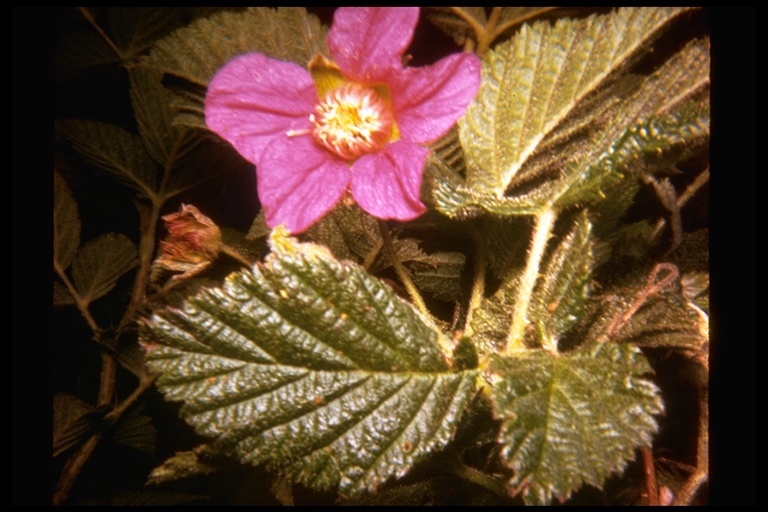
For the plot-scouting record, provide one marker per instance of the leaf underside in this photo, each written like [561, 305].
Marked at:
[557, 103]
[572, 419]
[311, 366]
[101, 262]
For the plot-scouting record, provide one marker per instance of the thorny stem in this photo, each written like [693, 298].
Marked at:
[542, 231]
[402, 273]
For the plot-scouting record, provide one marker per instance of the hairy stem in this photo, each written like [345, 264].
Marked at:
[478, 280]
[545, 221]
[490, 28]
[402, 273]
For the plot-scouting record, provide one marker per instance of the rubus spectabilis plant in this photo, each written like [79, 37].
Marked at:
[362, 272]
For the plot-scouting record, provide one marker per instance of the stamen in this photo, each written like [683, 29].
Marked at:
[352, 120]
[296, 133]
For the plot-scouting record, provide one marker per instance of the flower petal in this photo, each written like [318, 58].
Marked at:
[298, 182]
[429, 100]
[387, 184]
[368, 42]
[254, 98]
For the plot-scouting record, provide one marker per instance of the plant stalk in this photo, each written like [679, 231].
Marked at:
[402, 273]
[545, 221]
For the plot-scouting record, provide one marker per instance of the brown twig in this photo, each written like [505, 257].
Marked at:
[649, 468]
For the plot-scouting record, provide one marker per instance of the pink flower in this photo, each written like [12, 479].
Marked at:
[355, 125]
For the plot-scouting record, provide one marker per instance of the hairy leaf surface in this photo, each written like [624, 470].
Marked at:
[574, 418]
[101, 262]
[312, 366]
[561, 293]
[66, 223]
[554, 98]
[192, 55]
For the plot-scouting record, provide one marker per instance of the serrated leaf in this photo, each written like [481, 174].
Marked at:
[154, 116]
[312, 366]
[74, 421]
[191, 55]
[572, 419]
[550, 70]
[66, 223]
[101, 262]
[348, 231]
[553, 99]
[181, 465]
[657, 142]
[135, 429]
[61, 295]
[562, 291]
[135, 29]
[187, 154]
[113, 150]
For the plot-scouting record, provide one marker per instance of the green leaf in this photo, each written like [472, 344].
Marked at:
[554, 98]
[113, 150]
[101, 262]
[312, 366]
[66, 223]
[561, 292]
[572, 419]
[657, 143]
[349, 232]
[191, 55]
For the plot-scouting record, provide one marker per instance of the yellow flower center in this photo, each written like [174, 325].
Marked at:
[352, 120]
